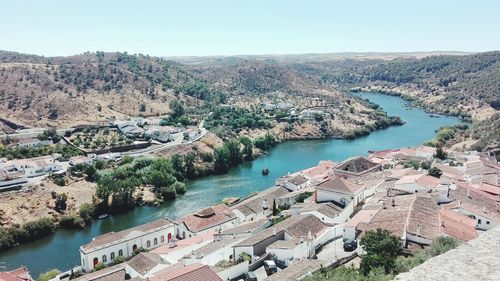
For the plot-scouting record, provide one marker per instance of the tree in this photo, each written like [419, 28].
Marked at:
[91, 172]
[60, 203]
[177, 109]
[440, 153]
[382, 248]
[247, 148]
[221, 160]
[46, 276]
[189, 168]
[435, 172]
[235, 155]
[275, 210]
[85, 212]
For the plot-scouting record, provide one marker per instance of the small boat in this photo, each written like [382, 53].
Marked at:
[103, 216]
[265, 172]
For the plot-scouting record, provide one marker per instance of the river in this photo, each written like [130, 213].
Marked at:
[60, 250]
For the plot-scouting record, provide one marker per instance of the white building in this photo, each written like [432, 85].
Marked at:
[105, 248]
[34, 167]
[294, 182]
[31, 143]
[215, 218]
[416, 183]
[339, 190]
[80, 160]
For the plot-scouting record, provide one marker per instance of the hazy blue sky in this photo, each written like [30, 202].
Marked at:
[227, 27]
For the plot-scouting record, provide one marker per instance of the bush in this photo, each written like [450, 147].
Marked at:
[167, 193]
[59, 181]
[70, 221]
[179, 187]
[435, 172]
[99, 266]
[60, 203]
[119, 259]
[86, 211]
[46, 276]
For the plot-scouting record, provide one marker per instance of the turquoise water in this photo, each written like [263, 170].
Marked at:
[60, 250]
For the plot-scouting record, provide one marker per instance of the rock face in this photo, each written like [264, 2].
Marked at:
[478, 259]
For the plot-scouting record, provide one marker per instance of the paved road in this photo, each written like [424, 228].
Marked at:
[334, 251]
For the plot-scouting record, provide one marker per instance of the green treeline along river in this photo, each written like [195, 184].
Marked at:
[60, 250]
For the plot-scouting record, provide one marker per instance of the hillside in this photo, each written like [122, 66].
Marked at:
[464, 84]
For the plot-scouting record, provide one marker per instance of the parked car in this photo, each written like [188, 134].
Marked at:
[270, 267]
[350, 245]
[250, 276]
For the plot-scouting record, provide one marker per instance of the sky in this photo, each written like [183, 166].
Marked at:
[231, 27]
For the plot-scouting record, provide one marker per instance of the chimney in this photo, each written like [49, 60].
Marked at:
[384, 205]
[393, 202]
[274, 230]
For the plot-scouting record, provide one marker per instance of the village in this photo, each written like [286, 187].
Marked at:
[310, 219]
[84, 145]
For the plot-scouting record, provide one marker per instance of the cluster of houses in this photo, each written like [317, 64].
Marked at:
[139, 127]
[318, 206]
[14, 173]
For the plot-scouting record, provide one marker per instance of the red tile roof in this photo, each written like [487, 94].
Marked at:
[207, 218]
[339, 184]
[20, 274]
[457, 225]
[193, 272]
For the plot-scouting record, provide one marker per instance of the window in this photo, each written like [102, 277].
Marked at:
[120, 253]
[155, 242]
[104, 258]
[148, 244]
[96, 261]
[487, 222]
[112, 256]
[162, 239]
[479, 221]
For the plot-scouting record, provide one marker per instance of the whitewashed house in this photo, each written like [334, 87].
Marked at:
[80, 160]
[32, 143]
[339, 190]
[216, 218]
[105, 248]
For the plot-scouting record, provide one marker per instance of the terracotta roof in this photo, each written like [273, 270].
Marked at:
[328, 209]
[297, 270]
[253, 205]
[208, 218]
[356, 166]
[322, 168]
[144, 262]
[489, 188]
[19, 274]
[298, 180]
[394, 217]
[423, 220]
[457, 225]
[339, 184]
[296, 227]
[284, 244]
[363, 216]
[117, 237]
[428, 181]
[193, 272]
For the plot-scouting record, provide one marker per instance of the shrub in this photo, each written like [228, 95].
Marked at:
[46, 276]
[70, 221]
[86, 211]
[179, 187]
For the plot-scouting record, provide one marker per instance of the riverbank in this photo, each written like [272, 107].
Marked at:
[37, 200]
[240, 181]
